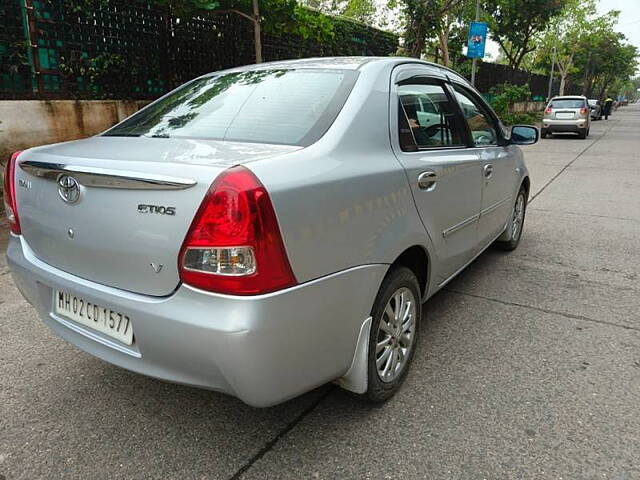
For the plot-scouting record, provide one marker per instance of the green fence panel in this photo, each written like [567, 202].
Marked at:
[137, 49]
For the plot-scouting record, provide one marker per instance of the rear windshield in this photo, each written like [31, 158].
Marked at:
[567, 103]
[279, 106]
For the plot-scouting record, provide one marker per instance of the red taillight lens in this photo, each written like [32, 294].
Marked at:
[234, 244]
[584, 111]
[548, 111]
[9, 194]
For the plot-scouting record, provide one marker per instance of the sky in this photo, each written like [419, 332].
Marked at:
[629, 22]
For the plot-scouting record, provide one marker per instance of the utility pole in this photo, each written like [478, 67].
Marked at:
[475, 60]
[553, 63]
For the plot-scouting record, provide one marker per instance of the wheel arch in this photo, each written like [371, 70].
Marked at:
[526, 183]
[416, 258]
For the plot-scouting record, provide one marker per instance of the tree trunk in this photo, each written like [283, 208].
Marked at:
[415, 43]
[585, 77]
[564, 67]
[257, 31]
[510, 58]
[603, 89]
[520, 57]
[589, 90]
[443, 38]
[563, 81]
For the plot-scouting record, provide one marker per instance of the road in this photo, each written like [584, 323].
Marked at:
[528, 367]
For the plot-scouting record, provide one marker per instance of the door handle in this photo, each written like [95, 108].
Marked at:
[427, 180]
[488, 171]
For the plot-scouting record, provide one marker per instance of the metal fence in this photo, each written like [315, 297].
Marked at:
[492, 74]
[137, 49]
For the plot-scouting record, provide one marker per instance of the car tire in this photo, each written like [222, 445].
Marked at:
[516, 223]
[582, 133]
[391, 337]
[543, 133]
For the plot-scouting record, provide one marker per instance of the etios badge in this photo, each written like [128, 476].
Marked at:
[68, 189]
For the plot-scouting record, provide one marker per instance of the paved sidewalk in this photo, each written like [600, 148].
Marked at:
[528, 367]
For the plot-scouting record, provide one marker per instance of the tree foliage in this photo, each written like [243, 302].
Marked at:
[575, 28]
[429, 18]
[586, 49]
[369, 12]
[514, 24]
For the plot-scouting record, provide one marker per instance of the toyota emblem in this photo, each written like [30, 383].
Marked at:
[68, 189]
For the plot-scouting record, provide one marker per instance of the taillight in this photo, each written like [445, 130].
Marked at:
[584, 111]
[9, 194]
[548, 111]
[234, 243]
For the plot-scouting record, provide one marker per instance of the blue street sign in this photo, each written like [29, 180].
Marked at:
[477, 39]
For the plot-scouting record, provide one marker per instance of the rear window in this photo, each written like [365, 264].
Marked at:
[567, 103]
[279, 106]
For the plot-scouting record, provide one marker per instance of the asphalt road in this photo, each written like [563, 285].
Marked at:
[528, 367]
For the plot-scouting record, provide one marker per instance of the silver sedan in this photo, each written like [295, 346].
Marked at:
[264, 230]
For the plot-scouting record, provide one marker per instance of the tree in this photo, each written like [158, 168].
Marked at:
[369, 12]
[620, 64]
[593, 59]
[574, 29]
[587, 48]
[429, 18]
[455, 17]
[515, 23]
[364, 11]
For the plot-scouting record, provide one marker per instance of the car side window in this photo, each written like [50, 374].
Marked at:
[426, 118]
[481, 125]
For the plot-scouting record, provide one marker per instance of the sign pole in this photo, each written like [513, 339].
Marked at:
[475, 60]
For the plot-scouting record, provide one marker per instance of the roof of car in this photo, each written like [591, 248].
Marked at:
[343, 63]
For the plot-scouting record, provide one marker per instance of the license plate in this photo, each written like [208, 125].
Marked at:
[104, 320]
[564, 115]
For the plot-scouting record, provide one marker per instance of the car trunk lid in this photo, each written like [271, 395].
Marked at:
[137, 198]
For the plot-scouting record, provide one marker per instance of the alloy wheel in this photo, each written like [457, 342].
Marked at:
[518, 217]
[396, 332]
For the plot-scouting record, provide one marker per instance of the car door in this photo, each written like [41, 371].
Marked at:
[444, 174]
[498, 163]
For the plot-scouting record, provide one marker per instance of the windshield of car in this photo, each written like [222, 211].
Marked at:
[593, 103]
[278, 106]
[567, 103]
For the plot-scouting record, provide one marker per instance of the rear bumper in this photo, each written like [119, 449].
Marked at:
[564, 125]
[263, 349]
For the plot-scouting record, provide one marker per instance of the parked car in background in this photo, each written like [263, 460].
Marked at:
[567, 114]
[595, 108]
[264, 230]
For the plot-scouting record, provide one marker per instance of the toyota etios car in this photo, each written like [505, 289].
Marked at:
[264, 230]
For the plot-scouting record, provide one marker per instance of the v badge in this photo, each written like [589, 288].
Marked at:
[156, 267]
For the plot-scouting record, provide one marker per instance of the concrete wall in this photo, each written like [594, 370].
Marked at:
[28, 123]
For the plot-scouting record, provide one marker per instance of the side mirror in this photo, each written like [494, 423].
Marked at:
[524, 135]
